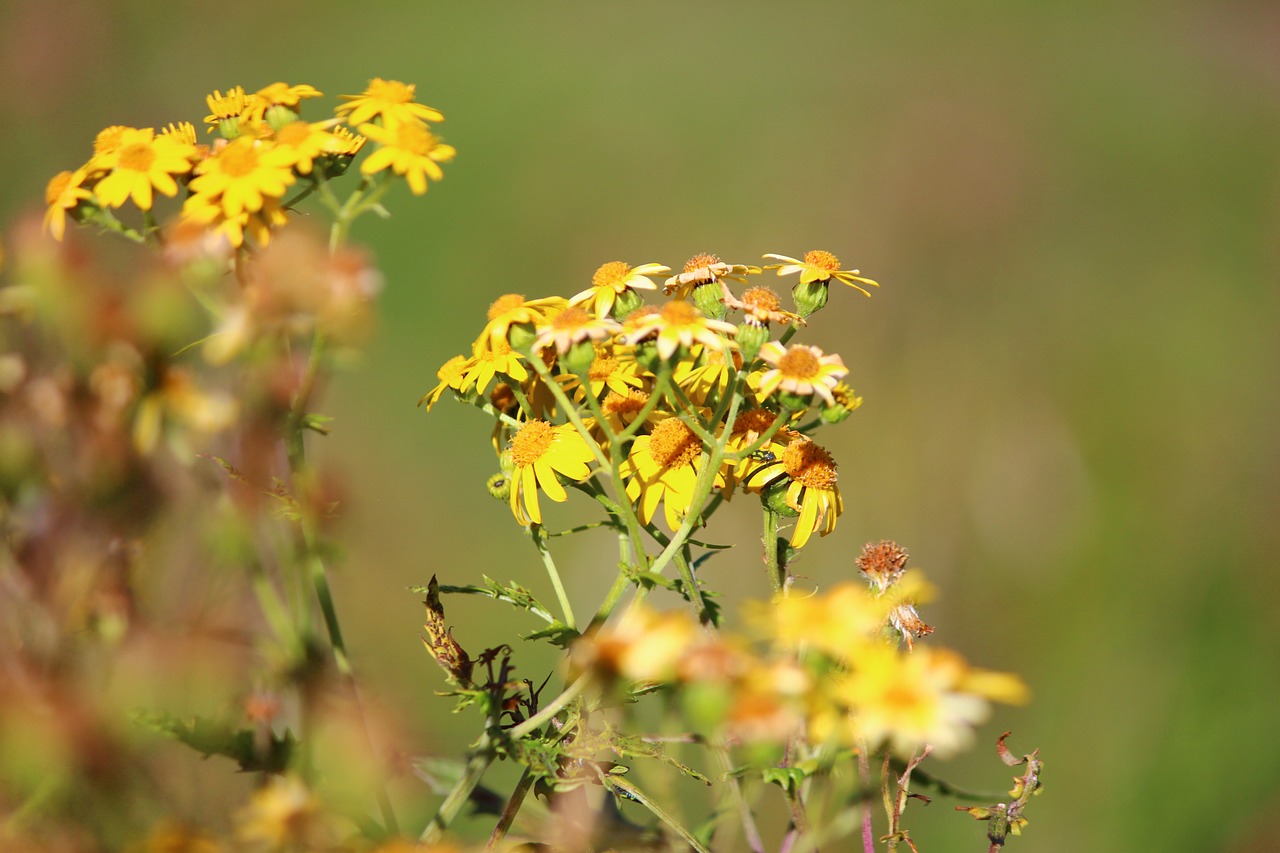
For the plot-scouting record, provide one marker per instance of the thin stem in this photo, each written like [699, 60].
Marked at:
[539, 541]
[771, 551]
[555, 706]
[864, 776]
[477, 764]
[509, 811]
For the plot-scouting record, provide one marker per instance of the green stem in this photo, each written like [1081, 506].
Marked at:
[555, 706]
[777, 571]
[539, 541]
[509, 811]
[477, 764]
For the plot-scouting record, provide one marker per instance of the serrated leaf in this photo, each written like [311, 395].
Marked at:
[557, 633]
[787, 778]
[513, 594]
[219, 737]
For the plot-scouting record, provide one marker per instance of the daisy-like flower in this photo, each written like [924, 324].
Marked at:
[620, 408]
[348, 143]
[408, 149]
[243, 175]
[760, 306]
[304, 142]
[612, 280]
[390, 100]
[108, 139]
[183, 130]
[454, 374]
[64, 194]
[747, 428]
[500, 359]
[513, 309]
[139, 163]
[929, 696]
[800, 370]
[811, 490]
[644, 645]
[282, 94]
[840, 623]
[705, 269]
[574, 325]
[820, 266]
[662, 468]
[538, 452]
[680, 324]
[233, 105]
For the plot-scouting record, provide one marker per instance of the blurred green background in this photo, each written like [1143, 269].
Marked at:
[1071, 409]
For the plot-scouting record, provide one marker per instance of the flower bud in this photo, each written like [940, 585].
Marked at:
[774, 496]
[750, 338]
[709, 300]
[579, 358]
[810, 297]
[625, 303]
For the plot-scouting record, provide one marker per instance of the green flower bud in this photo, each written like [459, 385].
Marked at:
[647, 356]
[750, 338]
[626, 302]
[709, 300]
[810, 298]
[579, 358]
[278, 115]
[774, 496]
[794, 402]
[499, 486]
[521, 336]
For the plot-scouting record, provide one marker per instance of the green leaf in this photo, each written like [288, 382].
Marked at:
[557, 633]
[513, 594]
[217, 737]
[786, 778]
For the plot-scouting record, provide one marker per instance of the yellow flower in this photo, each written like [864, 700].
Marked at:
[748, 427]
[242, 176]
[819, 266]
[643, 645]
[452, 374]
[285, 95]
[679, 324]
[812, 490]
[283, 813]
[208, 212]
[183, 130]
[304, 142]
[390, 99]
[233, 105]
[347, 143]
[574, 325]
[64, 194]
[488, 364]
[139, 162]
[928, 696]
[408, 149]
[620, 408]
[760, 306]
[538, 452]
[705, 269]
[513, 309]
[663, 467]
[612, 280]
[839, 623]
[800, 370]
[108, 139]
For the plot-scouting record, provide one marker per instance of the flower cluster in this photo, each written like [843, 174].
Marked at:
[838, 667]
[668, 403]
[264, 156]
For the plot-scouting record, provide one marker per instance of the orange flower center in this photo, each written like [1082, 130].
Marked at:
[679, 313]
[673, 444]
[822, 260]
[754, 421]
[531, 442]
[613, 274]
[137, 157]
[603, 367]
[697, 262]
[391, 91]
[238, 160]
[294, 133]
[799, 362]
[810, 464]
[570, 319]
[882, 560]
[617, 404]
[415, 139]
[503, 304]
[761, 299]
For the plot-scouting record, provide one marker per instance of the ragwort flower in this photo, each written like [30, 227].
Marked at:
[242, 176]
[454, 373]
[705, 269]
[800, 370]
[663, 467]
[390, 100]
[679, 324]
[408, 149]
[820, 266]
[614, 279]
[139, 162]
[513, 309]
[65, 193]
[574, 325]
[811, 490]
[538, 452]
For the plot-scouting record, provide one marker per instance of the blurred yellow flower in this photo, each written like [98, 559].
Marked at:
[63, 194]
[408, 149]
[390, 100]
[241, 176]
[139, 163]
